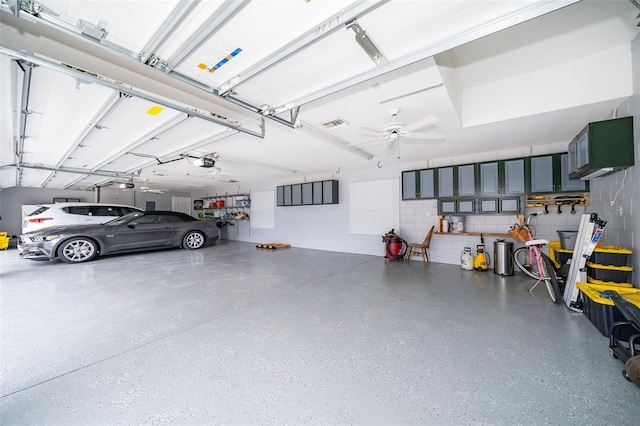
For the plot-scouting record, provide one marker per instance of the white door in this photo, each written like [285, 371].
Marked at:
[181, 204]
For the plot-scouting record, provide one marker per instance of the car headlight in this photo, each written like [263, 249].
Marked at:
[51, 237]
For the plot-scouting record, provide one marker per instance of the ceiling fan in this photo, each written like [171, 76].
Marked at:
[395, 130]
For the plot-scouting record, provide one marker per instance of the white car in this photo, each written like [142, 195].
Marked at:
[48, 215]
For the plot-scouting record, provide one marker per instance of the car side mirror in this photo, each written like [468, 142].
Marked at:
[132, 225]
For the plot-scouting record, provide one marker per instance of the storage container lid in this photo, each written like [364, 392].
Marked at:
[608, 283]
[610, 267]
[561, 250]
[556, 245]
[598, 295]
[613, 250]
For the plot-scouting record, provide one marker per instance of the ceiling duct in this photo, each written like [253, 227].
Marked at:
[415, 92]
[335, 123]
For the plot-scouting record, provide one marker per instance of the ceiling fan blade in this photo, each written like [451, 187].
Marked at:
[429, 120]
[425, 135]
[371, 130]
[385, 136]
[424, 141]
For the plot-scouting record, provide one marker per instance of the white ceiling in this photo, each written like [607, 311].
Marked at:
[468, 77]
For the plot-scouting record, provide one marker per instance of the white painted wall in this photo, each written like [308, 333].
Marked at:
[552, 88]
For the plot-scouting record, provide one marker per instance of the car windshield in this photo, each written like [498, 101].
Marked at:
[124, 219]
[39, 210]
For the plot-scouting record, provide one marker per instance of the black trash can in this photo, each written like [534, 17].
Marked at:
[503, 257]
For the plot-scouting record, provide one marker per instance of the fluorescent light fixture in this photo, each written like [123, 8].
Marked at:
[368, 45]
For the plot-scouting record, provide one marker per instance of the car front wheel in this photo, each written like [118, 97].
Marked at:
[193, 240]
[78, 250]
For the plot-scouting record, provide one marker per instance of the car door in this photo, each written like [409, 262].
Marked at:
[148, 231]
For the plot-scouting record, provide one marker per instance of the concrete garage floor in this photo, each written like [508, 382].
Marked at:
[235, 335]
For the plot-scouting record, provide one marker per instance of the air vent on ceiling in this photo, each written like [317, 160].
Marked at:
[415, 92]
[335, 123]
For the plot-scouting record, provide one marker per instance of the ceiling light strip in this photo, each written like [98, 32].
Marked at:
[313, 131]
[221, 16]
[133, 92]
[168, 27]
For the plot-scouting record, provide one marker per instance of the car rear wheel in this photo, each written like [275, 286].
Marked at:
[193, 240]
[78, 250]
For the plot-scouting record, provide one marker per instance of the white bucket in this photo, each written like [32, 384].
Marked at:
[445, 225]
[457, 223]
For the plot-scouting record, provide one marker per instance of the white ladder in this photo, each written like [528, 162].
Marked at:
[589, 233]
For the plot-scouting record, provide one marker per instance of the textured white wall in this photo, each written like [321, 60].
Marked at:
[623, 230]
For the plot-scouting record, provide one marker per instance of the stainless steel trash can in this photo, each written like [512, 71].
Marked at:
[503, 257]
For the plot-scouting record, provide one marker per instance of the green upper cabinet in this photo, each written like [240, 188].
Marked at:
[446, 182]
[410, 185]
[419, 184]
[502, 177]
[513, 174]
[550, 174]
[566, 183]
[542, 174]
[427, 183]
[466, 180]
[602, 147]
[457, 181]
[309, 193]
[330, 192]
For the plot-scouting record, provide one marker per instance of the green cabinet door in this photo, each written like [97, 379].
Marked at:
[427, 184]
[466, 181]
[513, 180]
[409, 185]
[541, 174]
[551, 174]
[445, 182]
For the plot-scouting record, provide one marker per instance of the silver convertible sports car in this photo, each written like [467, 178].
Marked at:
[135, 231]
